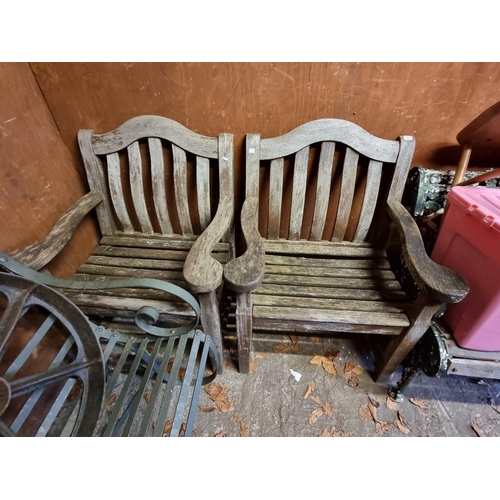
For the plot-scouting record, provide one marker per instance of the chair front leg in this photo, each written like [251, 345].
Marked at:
[210, 321]
[244, 330]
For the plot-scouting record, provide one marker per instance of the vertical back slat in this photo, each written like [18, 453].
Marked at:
[346, 194]
[158, 180]
[298, 192]
[323, 189]
[116, 191]
[203, 190]
[403, 164]
[275, 198]
[252, 164]
[180, 187]
[369, 200]
[137, 187]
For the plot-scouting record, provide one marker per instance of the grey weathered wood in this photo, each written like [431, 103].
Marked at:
[252, 164]
[440, 283]
[180, 187]
[322, 190]
[298, 192]
[456, 351]
[322, 248]
[202, 272]
[337, 272]
[403, 164]
[330, 292]
[285, 260]
[97, 182]
[137, 187]
[474, 368]
[328, 303]
[244, 330]
[137, 293]
[135, 263]
[129, 272]
[210, 321]
[275, 198]
[41, 253]
[245, 273]
[331, 316]
[158, 181]
[116, 191]
[332, 130]
[166, 243]
[154, 126]
[346, 194]
[365, 284]
[203, 190]
[369, 201]
[420, 315]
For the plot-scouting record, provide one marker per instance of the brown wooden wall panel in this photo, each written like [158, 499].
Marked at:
[38, 179]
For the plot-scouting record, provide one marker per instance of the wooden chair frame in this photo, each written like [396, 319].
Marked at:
[382, 216]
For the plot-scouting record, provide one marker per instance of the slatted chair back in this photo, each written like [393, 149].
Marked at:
[157, 177]
[372, 168]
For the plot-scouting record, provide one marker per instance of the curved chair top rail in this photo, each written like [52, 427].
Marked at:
[154, 126]
[330, 129]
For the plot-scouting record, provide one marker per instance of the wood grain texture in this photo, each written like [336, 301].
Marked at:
[322, 190]
[308, 262]
[245, 273]
[403, 164]
[167, 243]
[202, 272]
[346, 194]
[369, 200]
[275, 198]
[41, 253]
[298, 192]
[210, 322]
[181, 193]
[244, 332]
[252, 165]
[440, 283]
[203, 191]
[323, 248]
[137, 187]
[116, 190]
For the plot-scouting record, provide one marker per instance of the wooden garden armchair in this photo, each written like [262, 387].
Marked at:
[144, 179]
[334, 271]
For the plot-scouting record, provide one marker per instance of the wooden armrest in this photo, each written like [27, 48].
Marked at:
[439, 282]
[39, 254]
[246, 273]
[202, 272]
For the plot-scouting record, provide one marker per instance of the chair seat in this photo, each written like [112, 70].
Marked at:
[337, 292]
[138, 256]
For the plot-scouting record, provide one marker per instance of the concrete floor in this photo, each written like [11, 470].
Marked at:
[270, 400]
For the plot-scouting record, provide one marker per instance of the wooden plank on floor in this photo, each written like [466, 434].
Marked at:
[474, 368]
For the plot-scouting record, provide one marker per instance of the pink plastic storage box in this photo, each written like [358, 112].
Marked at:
[469, 243]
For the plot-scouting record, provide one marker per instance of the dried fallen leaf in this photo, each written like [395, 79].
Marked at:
[316, 400]
[316, 360]
[261, 355]
[315, 339]
[419, 403]
[310, 388]
[327, 409]
[331, 354]
[220, 434]
[331, 433]
[218, 394]
[111, 399]
[243, 426]
[353, 382]
[167, 428]
[253, 367]
[147, 397]
[477, 430]
[325, 433]
[352, 368]
[294, 339]
[392, 405]
[383, 427]
[315, 415]
[364, 412]
[373, 401]
[402, 425]
[280, 348]
[373, 411]
[329, 368]
[207, 409]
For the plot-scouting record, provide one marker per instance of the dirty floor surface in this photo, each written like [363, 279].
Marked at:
[311, 386]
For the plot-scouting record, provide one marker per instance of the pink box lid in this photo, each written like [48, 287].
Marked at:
[482, 202]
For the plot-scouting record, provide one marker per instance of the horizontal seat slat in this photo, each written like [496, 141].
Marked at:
[376, 274]
[286, 260]
[327, 303]
[139, 293]
[127, 272]
[162, 242]
[328, 292]
[358, 283]
[324, 248]
[331, 316]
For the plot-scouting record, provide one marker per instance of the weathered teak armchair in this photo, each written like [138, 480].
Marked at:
[145, 177]
[330, 267]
